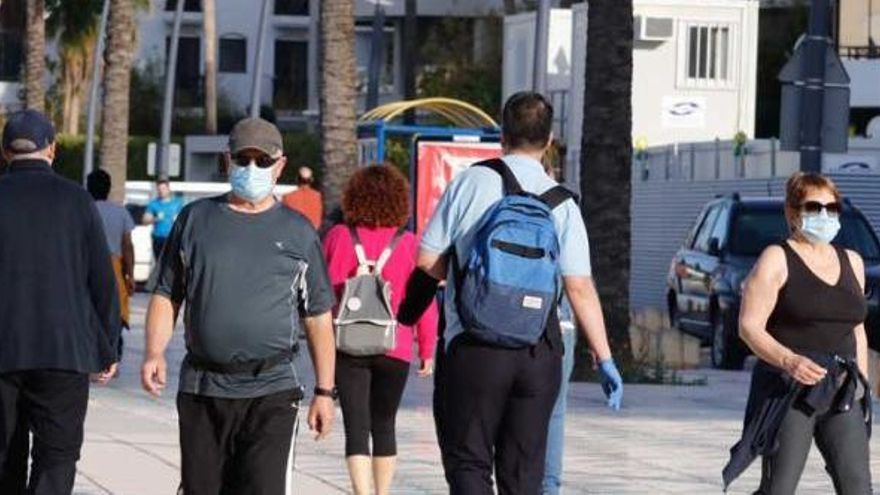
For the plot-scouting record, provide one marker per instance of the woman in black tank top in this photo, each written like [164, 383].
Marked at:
[802, 314]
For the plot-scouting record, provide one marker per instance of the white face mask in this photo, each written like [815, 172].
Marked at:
[252, 183]
[820, 227]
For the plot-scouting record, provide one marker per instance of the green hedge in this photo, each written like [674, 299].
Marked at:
[70, 154]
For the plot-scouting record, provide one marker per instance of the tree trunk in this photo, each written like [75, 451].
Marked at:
[338, 98]
[35, 53]
[117, 76]
[209, 27]
[606, 161]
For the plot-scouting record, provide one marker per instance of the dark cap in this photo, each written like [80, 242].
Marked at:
[27, 131]
[255, 133]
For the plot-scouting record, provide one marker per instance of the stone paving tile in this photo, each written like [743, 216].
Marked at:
[666, 440]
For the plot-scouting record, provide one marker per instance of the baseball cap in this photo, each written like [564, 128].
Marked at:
[255, 133]
[27, 131]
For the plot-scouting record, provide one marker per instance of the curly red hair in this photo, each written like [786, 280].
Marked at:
[376, 196]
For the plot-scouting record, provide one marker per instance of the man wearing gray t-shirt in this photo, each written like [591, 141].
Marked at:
[249, 270]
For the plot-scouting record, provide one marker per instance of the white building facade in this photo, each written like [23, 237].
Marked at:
[290, 70]
[694, 70]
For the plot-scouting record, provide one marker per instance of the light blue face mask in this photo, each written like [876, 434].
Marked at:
[251, 183]
[820, 227]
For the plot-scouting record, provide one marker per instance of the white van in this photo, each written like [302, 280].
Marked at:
[139, 193]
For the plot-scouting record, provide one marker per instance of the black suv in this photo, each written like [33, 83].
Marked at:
[706, 274]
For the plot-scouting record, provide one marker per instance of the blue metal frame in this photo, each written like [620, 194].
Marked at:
[382, 130]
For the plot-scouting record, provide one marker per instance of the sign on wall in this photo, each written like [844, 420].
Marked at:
[437, 163]
[684, 112]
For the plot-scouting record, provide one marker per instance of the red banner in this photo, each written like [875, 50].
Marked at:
[437, 163]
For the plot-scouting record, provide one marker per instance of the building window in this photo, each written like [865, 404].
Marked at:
[291, 82]
[708, 55]
[363, 49]
[292, 7]
[12, 21]
[188, 5]
[188, 82]
[233, 54]
[11, 53]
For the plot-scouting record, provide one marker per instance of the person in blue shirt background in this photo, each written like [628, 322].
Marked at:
[161, 213]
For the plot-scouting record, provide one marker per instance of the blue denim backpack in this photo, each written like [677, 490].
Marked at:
[510, 283]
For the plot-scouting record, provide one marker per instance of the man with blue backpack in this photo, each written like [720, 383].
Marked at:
[509, 241]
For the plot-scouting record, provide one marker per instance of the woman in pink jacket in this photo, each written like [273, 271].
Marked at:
[376, 202]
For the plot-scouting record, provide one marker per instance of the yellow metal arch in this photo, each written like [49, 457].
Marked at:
[459, 113]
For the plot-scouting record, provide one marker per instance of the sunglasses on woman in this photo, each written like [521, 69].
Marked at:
[262, 161]
[815, 207]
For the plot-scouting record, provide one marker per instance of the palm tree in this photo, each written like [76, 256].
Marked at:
[75, 26]
[337, 101]
[606, 160]
[35, 56]
[209, 26]
[117, 76]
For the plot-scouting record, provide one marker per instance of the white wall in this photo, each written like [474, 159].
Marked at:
[9, 100]
[864, 82]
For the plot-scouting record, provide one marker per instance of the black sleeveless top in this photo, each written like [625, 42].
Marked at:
[813, 316]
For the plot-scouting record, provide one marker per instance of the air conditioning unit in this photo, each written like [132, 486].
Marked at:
[653, 28]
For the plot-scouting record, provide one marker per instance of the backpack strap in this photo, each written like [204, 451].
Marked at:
[557, 195]
[386, 253]
[363, 262]
[511, 185]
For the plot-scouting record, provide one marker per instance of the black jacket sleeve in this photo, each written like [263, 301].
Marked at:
[102, 288]
[421, 289]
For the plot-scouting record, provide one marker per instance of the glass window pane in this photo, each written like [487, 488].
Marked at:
[704, 55]
[233, 55]
[291, 75]
[713, 52]
[693, 43]
[723, 47]
[292, 7]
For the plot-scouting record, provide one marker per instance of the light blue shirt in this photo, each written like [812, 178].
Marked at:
[470, 195]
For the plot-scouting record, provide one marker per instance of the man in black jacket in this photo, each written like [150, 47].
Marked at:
[59, 314]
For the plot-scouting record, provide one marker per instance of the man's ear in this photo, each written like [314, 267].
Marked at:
[50, 151]
[279, 168]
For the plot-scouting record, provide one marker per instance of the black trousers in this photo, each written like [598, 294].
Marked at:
[497, 406]
[370, 389]
[158, 246]
[842, 439]
[53, 404]
[13, 473]
[236, 446]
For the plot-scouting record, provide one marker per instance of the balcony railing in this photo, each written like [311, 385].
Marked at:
[860, 52]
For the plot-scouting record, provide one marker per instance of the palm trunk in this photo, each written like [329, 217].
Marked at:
[117, 75]
[35, 53]
[606, 161]
[337, 102]
[210, 36]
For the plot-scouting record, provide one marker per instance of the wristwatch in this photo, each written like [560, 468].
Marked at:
[333, 393]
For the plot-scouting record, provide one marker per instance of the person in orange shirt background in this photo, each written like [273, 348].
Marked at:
[306, 199]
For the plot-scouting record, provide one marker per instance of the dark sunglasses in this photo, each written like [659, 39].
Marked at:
[814, 207]
[262, 161]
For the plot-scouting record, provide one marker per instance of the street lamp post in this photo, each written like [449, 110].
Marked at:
[258, 63]
[815, 47]
[162, 151]
[89, 156]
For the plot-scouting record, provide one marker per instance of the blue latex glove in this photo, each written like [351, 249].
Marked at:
[612, 383]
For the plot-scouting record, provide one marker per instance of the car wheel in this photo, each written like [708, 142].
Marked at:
[727, 352]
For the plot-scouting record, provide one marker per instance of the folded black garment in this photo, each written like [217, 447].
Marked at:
[421, 289]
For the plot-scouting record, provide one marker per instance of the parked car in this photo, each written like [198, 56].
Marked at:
[706, 275]
[139, 193]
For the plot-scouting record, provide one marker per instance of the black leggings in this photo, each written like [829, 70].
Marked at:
[843, 441]
[370, 389]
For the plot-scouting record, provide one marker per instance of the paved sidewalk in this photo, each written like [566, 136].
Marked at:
[666, 440]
